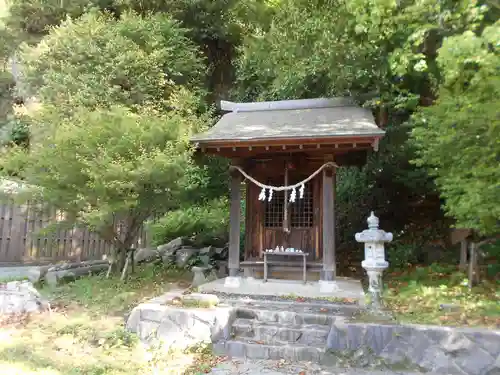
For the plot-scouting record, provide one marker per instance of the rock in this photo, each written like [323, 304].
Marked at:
[173, 245]
[205, 260]
[209, 251]
[37, 274]
[448, 307]
[203, 275]
[53, 278]
[209, 299]
[145, 255]
[168, 251]
[222, 252]
[184, 254]
[179, 327]
[18, 297]
[222, 270]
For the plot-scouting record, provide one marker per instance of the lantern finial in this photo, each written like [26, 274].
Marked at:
[372, 221]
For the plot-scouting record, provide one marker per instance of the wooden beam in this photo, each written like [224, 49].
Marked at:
[253, 151]
[234, 224]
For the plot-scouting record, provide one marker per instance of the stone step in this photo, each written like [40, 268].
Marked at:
[319, 307]
[245, 348]
[272, 333]
[284, 317]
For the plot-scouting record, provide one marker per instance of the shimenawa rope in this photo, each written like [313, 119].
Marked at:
[262, 195]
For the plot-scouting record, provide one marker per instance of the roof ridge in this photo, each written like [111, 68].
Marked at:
[288, 104]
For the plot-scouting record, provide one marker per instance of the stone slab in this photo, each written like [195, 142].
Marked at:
[346, 288]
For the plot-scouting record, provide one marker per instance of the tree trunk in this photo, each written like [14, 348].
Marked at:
[121, 258]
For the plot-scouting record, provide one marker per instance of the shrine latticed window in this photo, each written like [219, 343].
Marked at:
[300, 212]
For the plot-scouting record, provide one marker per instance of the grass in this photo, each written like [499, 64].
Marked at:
[439, 295]
[84, 334]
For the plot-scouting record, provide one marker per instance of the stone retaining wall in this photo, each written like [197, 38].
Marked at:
[179, 327]
[444, 350]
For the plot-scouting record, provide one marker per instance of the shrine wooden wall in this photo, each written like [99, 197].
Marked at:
[260, 236]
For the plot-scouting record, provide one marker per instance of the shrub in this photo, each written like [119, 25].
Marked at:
[205, 224]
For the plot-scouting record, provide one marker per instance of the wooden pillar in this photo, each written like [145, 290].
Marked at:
[463, 254]
[234, 224]
[328, 225]
[473, 269]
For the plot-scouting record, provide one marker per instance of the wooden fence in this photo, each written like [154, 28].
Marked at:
[22, 241]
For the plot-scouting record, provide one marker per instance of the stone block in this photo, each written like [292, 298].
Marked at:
[183, 256]
[378, 336]
[474, 360]
[145, 255]
[322, 319]
[420, 342]
[18, 297]
[494, 368]
[355, 336]
[221, 252]
[180, 327]
[147, 330]
[256, 351]
[153, 312]
[397, 351]
[202, 275]
[171, 246]
[433, 358]
[209, 299]
[236, 349]
[222, 270]
[37, 274]
[208, 251]
[304, 353]
[338, 338]
[488, 340]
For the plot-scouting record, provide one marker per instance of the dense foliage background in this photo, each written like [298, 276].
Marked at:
[428, 69]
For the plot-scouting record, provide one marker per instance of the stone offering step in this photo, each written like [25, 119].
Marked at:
[272, 333]
[245, 348]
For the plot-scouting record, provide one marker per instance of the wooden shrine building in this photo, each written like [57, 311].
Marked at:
[279, 144]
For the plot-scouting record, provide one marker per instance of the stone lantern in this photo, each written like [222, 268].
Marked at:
[374, 262]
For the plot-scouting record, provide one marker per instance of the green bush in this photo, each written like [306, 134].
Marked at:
[401, 255]
[205, 224]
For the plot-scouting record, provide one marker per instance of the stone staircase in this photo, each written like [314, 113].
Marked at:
[334, 335]
[281, 330]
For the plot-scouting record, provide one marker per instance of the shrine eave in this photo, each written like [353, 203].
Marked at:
[291, 122]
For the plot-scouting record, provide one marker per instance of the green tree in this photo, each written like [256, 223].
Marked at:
[100, 61]
[105, 164]
[458, 138]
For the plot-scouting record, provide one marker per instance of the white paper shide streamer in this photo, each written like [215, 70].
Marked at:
[293, 188]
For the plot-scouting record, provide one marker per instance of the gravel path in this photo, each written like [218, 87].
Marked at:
[266, 367]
